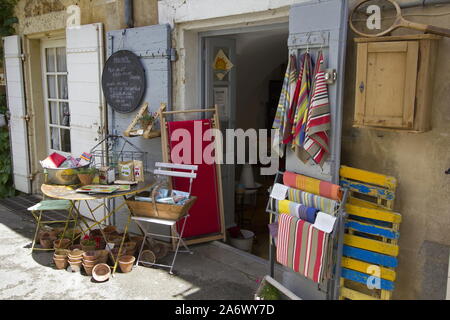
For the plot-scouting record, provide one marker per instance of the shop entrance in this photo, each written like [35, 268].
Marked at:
[242, 72]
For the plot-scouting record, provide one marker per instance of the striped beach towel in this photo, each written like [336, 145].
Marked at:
[294, 209]
[311, 200]
[318, 123]
[302, 247]
[311, 185]
[284, 104]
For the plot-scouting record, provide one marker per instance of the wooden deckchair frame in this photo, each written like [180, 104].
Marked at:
[166, 158]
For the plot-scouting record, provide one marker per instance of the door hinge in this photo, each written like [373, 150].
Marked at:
[26, 117]
[23, 56]
[31, 176]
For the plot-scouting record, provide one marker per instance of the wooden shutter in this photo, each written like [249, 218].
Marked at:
[84, 65]
[386, 84]
[17, 108]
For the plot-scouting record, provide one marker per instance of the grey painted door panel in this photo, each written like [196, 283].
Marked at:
[153, 45]
[322, 21]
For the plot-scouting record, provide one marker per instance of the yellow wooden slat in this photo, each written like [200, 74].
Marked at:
[363, 267]
[371, 245]
[363, 203]
[377, 214]
[355, 295]
[368, 177]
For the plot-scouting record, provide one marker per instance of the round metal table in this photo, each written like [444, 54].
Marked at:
[69, 193]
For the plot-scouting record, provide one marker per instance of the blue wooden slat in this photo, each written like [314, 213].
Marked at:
[362, 278]
[370, 256]
[371, 221]
[368, 189]
[372, 230]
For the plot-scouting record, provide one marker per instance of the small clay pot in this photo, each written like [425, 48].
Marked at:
[86, 178]
[88, 269]
[101, 272]
[76, 267]
[103, 256]
[77, 253]
[160, 250]
[61, 243]
[138, 240]
[109, 229]
[90, 255]
[87, 247]
[126, 263]
[61, 254]
[46, 241]
[90, 263]
[61, 263]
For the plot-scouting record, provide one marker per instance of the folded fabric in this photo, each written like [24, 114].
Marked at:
[311, 200]
[294, 209]
[302, 247]
[53, 161]
[311, 185]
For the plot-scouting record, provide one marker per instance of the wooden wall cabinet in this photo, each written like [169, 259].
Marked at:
[394, 82]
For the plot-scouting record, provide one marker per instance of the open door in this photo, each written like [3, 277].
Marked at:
[220, 89]
[18, 113]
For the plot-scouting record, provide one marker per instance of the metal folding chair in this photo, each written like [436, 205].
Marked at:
[169, 170]
[50, 205]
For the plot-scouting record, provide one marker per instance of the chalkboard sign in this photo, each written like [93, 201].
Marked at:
[123, 81]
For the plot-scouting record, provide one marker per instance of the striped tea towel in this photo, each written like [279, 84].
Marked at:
[311, 200]
[311, 185]
[284, 104]
[294, 209]
[301, 247]
[318, 123]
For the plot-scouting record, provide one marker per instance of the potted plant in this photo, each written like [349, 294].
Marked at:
[86, 175]
[88, 245]
[147, 119]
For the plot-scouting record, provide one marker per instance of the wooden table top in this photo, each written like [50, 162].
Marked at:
[69, 193]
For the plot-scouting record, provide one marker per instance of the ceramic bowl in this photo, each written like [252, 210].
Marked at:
[101, 272]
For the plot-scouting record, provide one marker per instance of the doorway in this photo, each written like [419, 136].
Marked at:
[247, 93]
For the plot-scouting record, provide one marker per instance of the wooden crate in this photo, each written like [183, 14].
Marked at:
[160, 210]
[372, 233]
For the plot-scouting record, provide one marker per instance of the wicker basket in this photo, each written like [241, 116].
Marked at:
[160, 210]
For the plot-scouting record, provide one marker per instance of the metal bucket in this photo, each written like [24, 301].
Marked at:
[62, 176]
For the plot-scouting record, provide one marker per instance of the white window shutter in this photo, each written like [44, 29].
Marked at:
[17, 108]
[84, 66]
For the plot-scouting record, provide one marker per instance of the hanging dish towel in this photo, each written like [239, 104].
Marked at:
[294, 209]
[301, 116]
[319, 116]
[290, 78]
[301, 247]
[311, 185]
[311, 200]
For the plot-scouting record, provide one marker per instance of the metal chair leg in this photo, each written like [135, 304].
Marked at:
[180, 239]
[38, 226]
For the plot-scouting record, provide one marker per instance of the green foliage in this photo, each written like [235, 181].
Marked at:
[7, 21]
[269, 292]
[87, 171]
[6, 183]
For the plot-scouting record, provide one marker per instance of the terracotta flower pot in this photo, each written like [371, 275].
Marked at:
[87, 246]
[103, 256]
[126, 263]
[88, 269]
[101, 272]
[47, 241]
[61, 243]
[61, 263]
[75, 247]
[61, 254]
[76, 253]
[138, 240]
[86, 178]
[76, 267]
[109, 229]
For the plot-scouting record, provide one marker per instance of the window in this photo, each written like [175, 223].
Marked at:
[56, 96]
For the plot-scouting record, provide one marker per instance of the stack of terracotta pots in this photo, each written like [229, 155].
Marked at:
[130, 248]
[46, 240]
[75, 260]
[60, 258]
[90, 260]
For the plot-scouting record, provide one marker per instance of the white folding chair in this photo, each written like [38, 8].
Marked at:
[168, 170]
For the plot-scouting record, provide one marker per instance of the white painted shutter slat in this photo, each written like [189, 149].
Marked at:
[17, 108]
[84, 66]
